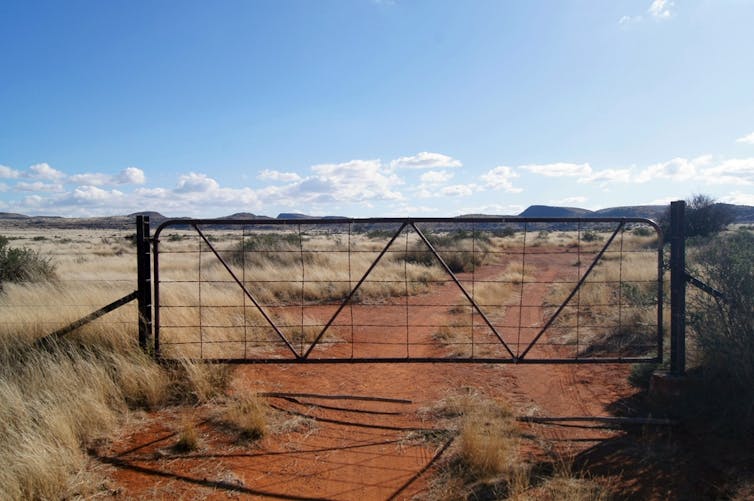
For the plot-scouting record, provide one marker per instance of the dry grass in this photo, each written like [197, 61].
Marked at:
[248, 414]
[57, 401]
[486, 460]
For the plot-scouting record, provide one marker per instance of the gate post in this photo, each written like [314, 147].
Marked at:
[144, 282]
[678, 288]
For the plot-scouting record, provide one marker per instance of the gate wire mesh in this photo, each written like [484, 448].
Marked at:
[93, 267]
[330, 290]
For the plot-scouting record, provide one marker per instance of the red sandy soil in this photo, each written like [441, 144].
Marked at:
[362, 443]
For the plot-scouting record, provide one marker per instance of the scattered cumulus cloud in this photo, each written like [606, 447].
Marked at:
[131, 175]
[677, 169]
[499, 178]
[559, 169]
[628, 20]
[748, 139]
[607, 176]
[196, 183]
[425, 160]
[731, 171]
[738, 198]
[569, 201]
[274, 175]
[458, 190]
[38, 186]
[8, 173]
[44, 171]
[661, 9]
[436, 177]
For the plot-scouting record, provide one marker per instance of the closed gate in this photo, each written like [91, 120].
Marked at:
[492, 289]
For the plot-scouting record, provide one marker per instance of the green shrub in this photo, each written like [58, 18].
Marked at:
[590, 236]
[23, 265]
[724, 329]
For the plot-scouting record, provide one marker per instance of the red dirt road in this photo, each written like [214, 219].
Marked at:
[363, 441]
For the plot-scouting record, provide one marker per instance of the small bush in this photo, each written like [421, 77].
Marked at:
[724, 329]
[590, 236]
[23, 265]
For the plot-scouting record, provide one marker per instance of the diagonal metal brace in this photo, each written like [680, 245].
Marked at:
[463, 289]
[573, 292]
[353, 291]
[246, 291]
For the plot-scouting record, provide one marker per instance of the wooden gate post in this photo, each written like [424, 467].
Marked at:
[144, 282]
[678, 288]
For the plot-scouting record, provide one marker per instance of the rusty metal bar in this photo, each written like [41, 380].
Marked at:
[465, 293]
[403, 223]
[144, 282]
[90, 317]
[678, 288]
[246, 291]
[353, 291]
[574, 291]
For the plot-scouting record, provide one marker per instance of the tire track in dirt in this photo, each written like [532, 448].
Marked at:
[364, 446]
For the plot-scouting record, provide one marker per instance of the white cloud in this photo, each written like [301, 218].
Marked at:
[499, 178]
[90, 179]
[494, 209]
[568, 201]
[436, 177]
[661, 9]
[44, 171]
[425, 160]
[606, 176]
[131, 175]
[559, 169]
[353, 181]
[732, 171]
[196, 183]
[748, 139]
[88, 194]
[458, 190]
[274, 175]
[8, 173]
[628, 20]
[738, 198]
[3, 187]
[39, 186]
[677, 169]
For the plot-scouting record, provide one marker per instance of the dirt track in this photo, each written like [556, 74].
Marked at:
[360, 446]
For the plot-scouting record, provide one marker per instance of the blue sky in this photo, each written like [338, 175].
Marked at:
[372, 107]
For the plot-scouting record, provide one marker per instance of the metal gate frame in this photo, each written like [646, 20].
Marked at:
[403, 224]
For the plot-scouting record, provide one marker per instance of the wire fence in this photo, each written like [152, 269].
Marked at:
[92, 267]
[496, 289]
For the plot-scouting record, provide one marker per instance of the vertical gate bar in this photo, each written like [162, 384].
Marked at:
[405, 290]
[144, 282]
[678, 288]
[574, 291]
[156, 268]
[660, 296]
[471, 300]
[353, 291]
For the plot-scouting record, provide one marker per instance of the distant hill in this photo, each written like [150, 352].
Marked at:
[12, 215]
[741, 214]
[547, 211]
[648, 211]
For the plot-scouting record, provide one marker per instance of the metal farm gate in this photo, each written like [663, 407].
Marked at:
[492, 289]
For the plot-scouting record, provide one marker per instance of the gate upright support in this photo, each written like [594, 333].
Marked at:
[144, 282]
[678, 288]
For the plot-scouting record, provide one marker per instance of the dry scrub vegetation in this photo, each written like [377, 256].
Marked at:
[59, 398]
[485, 460]
[62, 398]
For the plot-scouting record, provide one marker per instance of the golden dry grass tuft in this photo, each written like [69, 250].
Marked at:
[248, 414]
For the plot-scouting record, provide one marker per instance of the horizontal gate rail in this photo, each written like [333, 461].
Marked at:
[427, 290]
